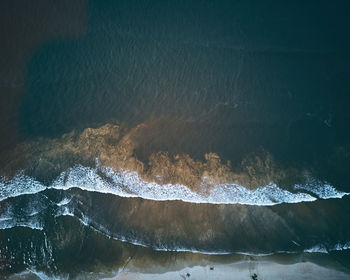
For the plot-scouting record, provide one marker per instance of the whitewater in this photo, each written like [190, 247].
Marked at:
[129, 184]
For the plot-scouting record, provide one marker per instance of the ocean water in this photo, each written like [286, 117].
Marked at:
[143, 131]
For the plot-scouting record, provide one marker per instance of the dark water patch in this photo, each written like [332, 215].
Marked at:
[25, 27]
[130, 68]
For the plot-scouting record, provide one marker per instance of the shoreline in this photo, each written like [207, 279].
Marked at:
[243, 270]
[196, 266]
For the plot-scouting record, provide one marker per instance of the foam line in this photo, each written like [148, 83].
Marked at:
[340, 246]
[129, 184]
[86, 221]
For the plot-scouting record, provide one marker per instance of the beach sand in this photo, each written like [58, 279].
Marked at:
[191, 266]
[242, 270]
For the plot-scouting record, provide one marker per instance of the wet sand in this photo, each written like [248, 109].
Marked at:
[243, 270]
[277, 266]
[197, 266]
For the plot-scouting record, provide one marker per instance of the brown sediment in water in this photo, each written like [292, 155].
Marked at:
[117, 149]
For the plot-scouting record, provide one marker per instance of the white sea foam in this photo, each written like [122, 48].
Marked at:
[64, 201]
[8, 220]
[19, 185]
[317, 249]
[26, 214]
[340, 246]
[323, 191]
[41, 275]
[129, 184]
[35, 226]
[267, 195]
[64, 211]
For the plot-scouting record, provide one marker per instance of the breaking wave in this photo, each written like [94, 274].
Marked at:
[123, 183]
[340, 246]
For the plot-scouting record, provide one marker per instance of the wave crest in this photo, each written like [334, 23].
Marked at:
[122, 183]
